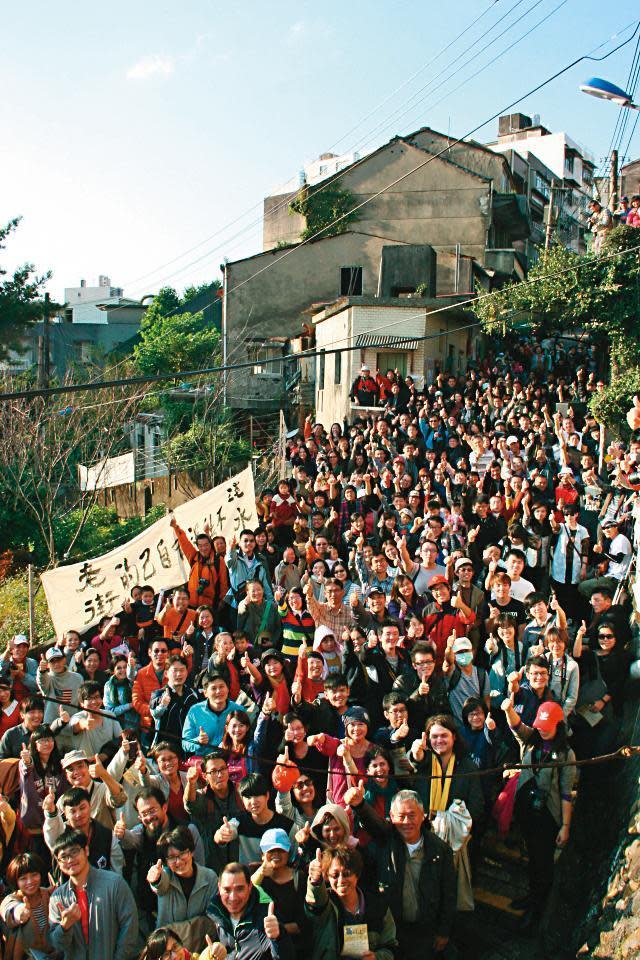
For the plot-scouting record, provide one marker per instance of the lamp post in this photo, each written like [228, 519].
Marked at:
[604, 90]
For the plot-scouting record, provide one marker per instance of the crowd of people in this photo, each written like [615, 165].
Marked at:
[300, 753]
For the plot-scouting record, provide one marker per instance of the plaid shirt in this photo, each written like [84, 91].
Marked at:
[324, 616]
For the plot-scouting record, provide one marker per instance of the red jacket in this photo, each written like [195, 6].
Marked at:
[145, 683]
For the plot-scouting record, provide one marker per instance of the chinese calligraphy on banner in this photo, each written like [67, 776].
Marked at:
[78, 595]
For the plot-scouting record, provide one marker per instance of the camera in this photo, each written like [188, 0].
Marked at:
[202, 585]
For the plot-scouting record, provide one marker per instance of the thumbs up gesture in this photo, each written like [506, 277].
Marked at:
[271, 925]
[214, 951]
[193, 774]
[120, 828]
[25, 756]
[49, 803]
[226, 833]
[315, 869]
[354, 796]
[154, 872]
[203, 738]
[22, 912]
[419, 747]
[303, 835]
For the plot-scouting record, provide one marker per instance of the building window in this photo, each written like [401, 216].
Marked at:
[351, 281]
[321, 362]
[260, 353]
[337, 368]
[568, 163]
[393, 361]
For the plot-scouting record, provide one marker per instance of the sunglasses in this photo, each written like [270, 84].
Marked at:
[303, 783]
[605, 636]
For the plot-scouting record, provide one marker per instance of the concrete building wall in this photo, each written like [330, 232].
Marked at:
[279, 224]
[406, 320]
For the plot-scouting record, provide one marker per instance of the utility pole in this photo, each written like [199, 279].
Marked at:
[282, 446]
[550, 217]
[43, 345]
[613, 181]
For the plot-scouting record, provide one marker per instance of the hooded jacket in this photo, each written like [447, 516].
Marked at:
[248, 940]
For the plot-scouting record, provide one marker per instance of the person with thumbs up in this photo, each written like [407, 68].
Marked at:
[204, 724]
[40, 777]
[22, 911]
[264, 937]
[94, 912]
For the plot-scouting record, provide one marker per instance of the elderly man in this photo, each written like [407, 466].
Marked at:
[414, 868]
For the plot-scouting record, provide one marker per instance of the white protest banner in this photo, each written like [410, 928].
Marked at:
[80, 594]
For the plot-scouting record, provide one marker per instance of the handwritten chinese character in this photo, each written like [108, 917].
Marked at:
[163, 554]
[148, 568]
[129, 575]
[89, 576]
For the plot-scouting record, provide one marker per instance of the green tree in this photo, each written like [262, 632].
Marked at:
[199, 433]
[581, 294]
[320, 208]
[20, 297]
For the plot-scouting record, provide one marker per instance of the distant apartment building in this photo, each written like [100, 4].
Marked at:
[571, 166]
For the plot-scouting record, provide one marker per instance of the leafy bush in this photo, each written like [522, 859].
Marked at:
[611, 404]
[14, 610]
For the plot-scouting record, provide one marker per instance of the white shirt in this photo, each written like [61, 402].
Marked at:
[618, 568]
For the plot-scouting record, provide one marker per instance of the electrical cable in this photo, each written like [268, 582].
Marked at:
[424, 163]
[626, 752]
[308, 354]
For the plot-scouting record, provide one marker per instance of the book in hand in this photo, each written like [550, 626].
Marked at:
[356, 940]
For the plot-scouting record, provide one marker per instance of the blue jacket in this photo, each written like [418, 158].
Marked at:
[201, 715]
[242, 569]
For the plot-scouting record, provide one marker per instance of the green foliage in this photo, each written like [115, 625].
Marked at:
[171, 339]
[14, 610]
[321, 208]
[102, 531]
[20, 303]
[610, 405]
[209, 443]
[601, 298]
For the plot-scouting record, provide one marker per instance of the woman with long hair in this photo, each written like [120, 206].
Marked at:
[405, 601]
[237, 741]
[506, 655]
[40, 773]
[118, 691]
[543, 798]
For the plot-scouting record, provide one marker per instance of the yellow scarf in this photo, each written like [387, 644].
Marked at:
[440, 786]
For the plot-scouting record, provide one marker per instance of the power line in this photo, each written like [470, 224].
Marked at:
[424, 163]
[309, 354]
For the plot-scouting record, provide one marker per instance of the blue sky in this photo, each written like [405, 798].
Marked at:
[135, 131]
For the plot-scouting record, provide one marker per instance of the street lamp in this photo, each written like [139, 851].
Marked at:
[604, 90]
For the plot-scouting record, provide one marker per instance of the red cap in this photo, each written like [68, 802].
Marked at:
[549, 715]
[438, 581]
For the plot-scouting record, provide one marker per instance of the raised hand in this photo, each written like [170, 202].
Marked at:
[268, 705]
[96, 769]
[214, 951]
[154, 872]
[354, 796]
[303, 834]
[316, 875]
[424, 688]
[70, 915]
[316, 740]
[490, 723]
[225, 833]
[64, 716]
[419, 748]
[49, 803]
[203, 737]
[193, 774]
[401, 732]
[120, 827]
[25, 756]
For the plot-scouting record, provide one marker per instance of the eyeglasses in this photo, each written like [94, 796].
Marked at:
[175, 857]
[302, 783]
[216, 772]
[70, 854]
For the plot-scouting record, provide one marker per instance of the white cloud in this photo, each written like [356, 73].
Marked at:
[297, 31]
[153, 65]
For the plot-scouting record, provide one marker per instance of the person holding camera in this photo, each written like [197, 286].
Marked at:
[543, 805]
[203, 579]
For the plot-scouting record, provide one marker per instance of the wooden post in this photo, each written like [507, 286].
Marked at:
[282, 445]
[32, 610]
